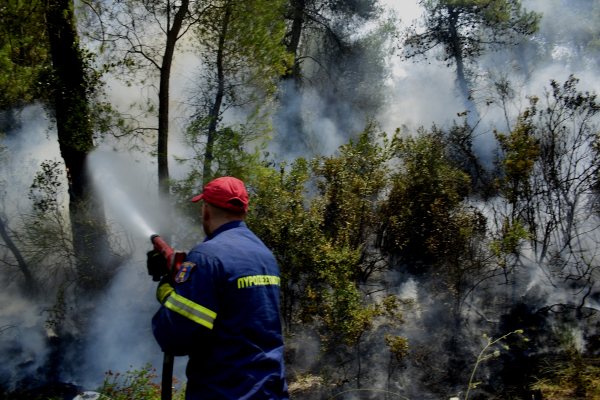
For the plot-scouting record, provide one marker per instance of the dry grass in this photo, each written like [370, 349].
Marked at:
[308, 386]
[572, 377]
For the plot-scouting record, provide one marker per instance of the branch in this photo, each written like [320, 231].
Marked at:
[21, 261]
[97, 15]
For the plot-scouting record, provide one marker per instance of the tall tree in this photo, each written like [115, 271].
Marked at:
[465, 29]
[306, 18]
[42, 60]
[318, 33]
[71, 81]
[240, 43]
[353, 82]
[147, 32]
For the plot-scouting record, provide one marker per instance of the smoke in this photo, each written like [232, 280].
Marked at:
[311, 122]
[120, 335]
[423, 95]
[23, 337]
[303, 130]
[115, 331]
[30, 141]
[442, 353]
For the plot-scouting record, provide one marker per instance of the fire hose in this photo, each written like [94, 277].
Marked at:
[174, 261]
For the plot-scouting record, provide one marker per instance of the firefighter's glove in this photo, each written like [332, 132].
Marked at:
[165, 288]
[157, 265]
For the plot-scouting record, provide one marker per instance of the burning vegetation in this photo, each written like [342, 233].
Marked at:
[451, 259]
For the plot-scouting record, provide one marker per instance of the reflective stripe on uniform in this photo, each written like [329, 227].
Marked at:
[191, 310]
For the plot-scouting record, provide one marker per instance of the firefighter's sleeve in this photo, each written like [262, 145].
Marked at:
[189, 311]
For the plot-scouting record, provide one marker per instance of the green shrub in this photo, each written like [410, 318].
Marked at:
[135, 385]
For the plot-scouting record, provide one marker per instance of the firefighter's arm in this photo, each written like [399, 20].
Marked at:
[189, 306]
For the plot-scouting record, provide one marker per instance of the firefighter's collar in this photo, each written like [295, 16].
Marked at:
[229, 225]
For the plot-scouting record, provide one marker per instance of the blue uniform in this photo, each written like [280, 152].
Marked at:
[225, 316]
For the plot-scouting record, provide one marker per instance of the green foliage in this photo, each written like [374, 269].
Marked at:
[322, 245]
[45, 187]
[251, 46]
[240, 45]
[284, 221]
[455, 246]
[426, 189]
[237, 151]
[424, 219]
[135, 385]
[509, 243]
[233, 156]
[453, 229]
[398, 348]
[244, 38]
[397, 345]
[520, 152]
[341, 67]
[458, 141]
[350, 184]
[465, 29]
[507, 247]
[24, 58]
[319, 273]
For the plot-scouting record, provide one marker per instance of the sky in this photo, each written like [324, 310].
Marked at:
[408, 10]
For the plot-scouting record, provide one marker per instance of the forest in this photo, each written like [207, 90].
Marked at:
[426, 173]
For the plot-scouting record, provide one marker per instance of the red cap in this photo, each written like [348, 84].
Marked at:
[226, 192]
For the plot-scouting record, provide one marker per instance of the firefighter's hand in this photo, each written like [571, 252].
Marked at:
[157, 265]
[165, 288]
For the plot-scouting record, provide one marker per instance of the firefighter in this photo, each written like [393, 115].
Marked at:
[222, 309]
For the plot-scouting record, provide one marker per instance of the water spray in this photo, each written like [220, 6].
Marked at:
[121, 204]
[127, 210]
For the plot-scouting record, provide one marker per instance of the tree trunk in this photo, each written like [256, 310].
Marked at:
[163, 100]
[460, 68]
[163, 116]
[522, 51]
[298, 7]
[359, 364]
[75, 139]
[216, 108]
[289, 122]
